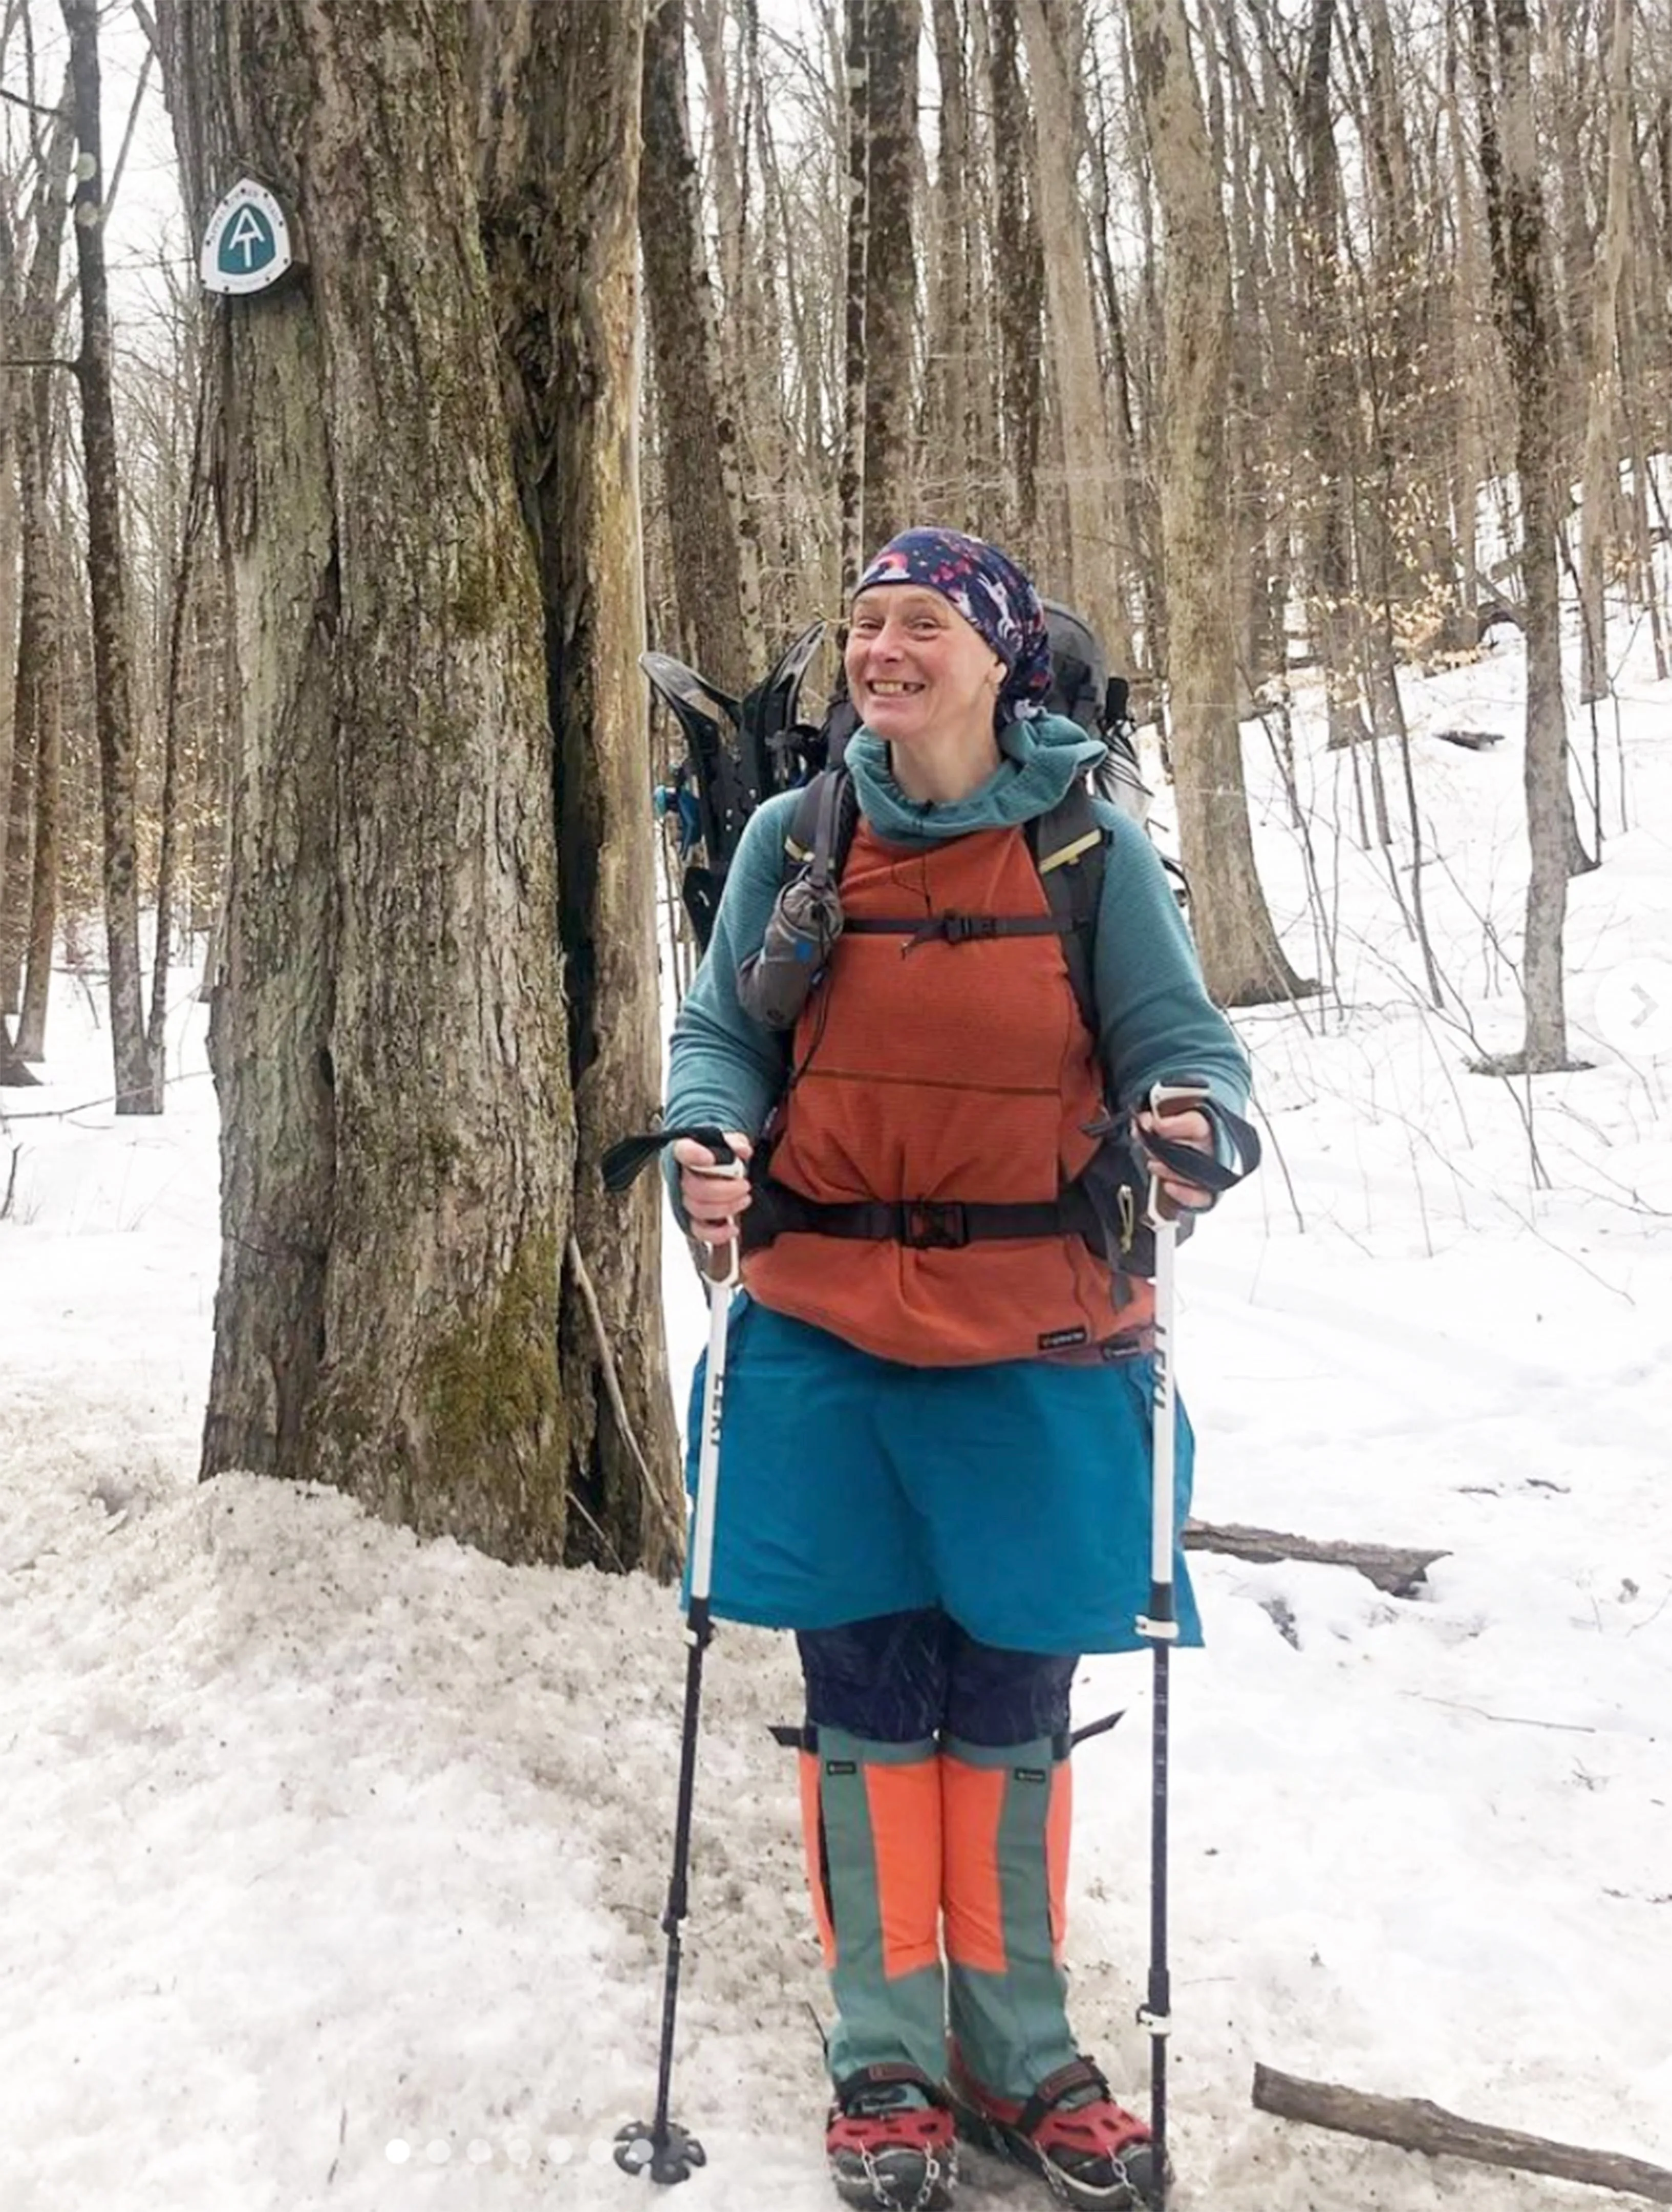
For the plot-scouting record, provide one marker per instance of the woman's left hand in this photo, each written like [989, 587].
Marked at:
[1186, 1127]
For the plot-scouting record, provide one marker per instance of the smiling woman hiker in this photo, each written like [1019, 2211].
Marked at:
[936, 1451]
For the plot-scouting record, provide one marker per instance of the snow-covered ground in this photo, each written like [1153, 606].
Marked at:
[332, 1862]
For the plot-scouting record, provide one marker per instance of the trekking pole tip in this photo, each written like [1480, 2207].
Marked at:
[668, 2155]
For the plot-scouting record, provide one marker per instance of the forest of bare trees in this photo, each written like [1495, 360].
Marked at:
[1295, 341]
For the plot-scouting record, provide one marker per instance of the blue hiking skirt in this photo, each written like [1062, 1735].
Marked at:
[1015, 1496]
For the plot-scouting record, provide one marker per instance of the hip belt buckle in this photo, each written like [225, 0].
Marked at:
[927, 1226]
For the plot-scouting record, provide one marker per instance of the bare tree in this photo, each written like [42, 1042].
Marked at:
[891, 264]
[38, 721]
[1093, 461]
[1241, 959]
[1018, 281]
[703, 494]
[952, 361]
[1509, 166]
[1600, 494]
[139, 1078]
[1330, 408]
[851, 480]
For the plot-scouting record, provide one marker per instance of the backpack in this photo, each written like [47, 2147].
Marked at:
[724, 778]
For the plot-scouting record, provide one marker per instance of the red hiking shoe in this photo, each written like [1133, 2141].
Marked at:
[1071, 2131]
[890, 2141]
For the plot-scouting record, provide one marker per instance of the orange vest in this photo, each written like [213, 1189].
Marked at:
[937, 1073]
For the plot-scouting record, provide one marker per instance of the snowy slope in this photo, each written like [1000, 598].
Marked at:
[333, 1862]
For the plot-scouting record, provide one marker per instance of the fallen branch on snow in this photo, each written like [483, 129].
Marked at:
[1414, 2123]
[1390, 1567]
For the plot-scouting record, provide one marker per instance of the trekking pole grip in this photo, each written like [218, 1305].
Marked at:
[1191, 1165]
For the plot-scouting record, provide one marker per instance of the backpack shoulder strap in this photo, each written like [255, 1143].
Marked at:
[821, 829]
[1069, 846]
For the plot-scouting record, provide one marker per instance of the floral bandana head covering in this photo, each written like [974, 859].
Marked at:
[992, 595]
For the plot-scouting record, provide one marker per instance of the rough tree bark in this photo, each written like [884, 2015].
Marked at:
[1241, 959]
[558, 164]
[139, 1078]
[388, 1035]
[699, 431]
[891, 265]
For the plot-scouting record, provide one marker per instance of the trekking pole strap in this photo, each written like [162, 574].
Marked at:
[1205, 1169]
[626, 1159]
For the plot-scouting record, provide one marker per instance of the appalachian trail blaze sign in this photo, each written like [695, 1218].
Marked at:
[247, 244]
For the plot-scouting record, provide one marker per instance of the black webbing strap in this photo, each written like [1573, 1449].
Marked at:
[955, 928]
[1070, 847]
[1078, 2074]
[626, 1159]
[1202, 1168]
[1068, 844]
[923, 1224]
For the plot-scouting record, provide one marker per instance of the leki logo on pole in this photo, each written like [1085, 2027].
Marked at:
[247, 244]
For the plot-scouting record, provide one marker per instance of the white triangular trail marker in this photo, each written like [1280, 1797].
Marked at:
[246, 241]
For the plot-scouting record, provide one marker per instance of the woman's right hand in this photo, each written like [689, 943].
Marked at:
[712, 1196]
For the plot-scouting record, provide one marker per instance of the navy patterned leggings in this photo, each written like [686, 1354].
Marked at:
[902, 1677]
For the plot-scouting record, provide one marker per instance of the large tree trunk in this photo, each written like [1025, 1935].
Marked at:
[699, 431]
[891, 265]
[388, 1035]
[559, 163]
[1241, 959]
[139, 1078]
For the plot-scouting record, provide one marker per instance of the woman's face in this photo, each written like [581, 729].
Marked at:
[916, 668]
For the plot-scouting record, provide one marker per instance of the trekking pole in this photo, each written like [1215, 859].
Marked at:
[1160, 1626]
[658, 2147]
